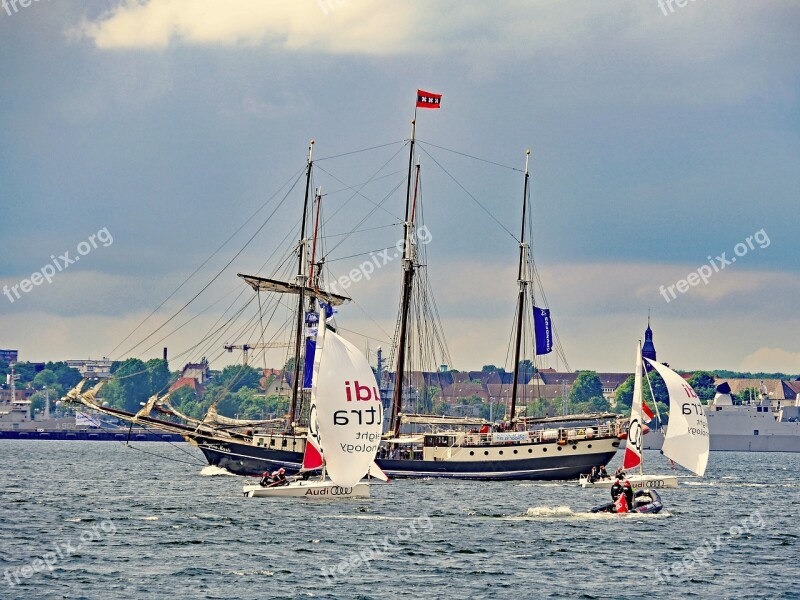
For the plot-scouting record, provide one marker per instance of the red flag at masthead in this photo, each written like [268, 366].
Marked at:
[428, 100]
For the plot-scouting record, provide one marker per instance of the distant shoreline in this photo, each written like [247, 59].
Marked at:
[94, 435]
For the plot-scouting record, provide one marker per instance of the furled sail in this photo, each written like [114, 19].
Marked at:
[212, 416]
[686, 441]
[286, 287]
[148, 406]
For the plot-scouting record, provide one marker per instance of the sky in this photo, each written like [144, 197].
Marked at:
[139, 136]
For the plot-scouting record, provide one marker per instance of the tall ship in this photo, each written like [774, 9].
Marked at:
[414, 444]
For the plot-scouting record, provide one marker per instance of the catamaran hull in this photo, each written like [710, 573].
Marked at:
[308, 489]
[560, 462]
[637, 482]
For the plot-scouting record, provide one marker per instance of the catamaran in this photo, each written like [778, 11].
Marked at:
[686, 442]
[345, 424]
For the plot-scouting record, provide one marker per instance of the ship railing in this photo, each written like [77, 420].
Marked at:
[561, 435]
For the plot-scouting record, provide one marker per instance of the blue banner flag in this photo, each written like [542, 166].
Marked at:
[544, 330]
[312, 324]
[308, 370]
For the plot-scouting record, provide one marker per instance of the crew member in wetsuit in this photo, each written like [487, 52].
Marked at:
[279, 477]
[628, 491]
[266, 479]
[616, 490]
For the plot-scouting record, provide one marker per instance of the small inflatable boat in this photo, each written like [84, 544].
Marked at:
[644, 502]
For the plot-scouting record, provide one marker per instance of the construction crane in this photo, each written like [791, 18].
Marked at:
[245, 348]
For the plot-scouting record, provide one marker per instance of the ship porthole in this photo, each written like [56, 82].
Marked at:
[588, 445]
[530, 450]
[574, 447]
[560, 448]
[501, 451]
[544, 449]
[486, 453]
[471, 453]
[515, 451]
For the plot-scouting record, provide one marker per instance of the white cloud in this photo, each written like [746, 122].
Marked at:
[624, 50]
[772, 360]
[349, 27]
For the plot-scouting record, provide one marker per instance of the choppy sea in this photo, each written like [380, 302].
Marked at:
[100, 520]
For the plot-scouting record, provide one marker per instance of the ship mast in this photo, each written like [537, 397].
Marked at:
[408, 280]
[522, 279]
[301, 282]
[312, 280]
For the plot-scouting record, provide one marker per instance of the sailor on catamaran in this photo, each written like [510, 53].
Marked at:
[272, 479]
[279, 477]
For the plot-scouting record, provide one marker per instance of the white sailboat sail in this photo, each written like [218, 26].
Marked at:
[349, 416]
[633, 447]
[686, 441]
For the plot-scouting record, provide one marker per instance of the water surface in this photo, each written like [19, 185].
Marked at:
[153, 522]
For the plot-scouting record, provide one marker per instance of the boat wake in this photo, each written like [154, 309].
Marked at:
[211, 471]
[740, 483]
[549, 511]
[565, 512]
[541, 484]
